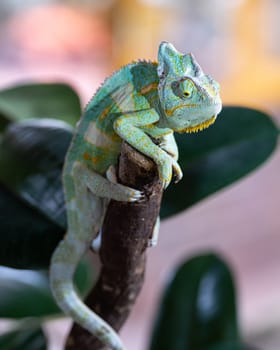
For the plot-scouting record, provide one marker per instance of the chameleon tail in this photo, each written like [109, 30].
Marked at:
[63, 265]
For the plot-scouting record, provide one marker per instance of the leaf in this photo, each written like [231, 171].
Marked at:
[220, 155]
[26, 293]
[4, 121]
[32, 213]
[198, 307]
[31, 159]
[229, 346]
[32, 155]
[27, 237]
[41, 101]
[24, 339]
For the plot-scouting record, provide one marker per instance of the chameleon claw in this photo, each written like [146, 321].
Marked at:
[137, 196]
[177, 171]
[178, 177]
[133, 195]
[176, 180]
[165, 183]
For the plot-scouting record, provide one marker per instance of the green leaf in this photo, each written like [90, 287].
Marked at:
[31, 159]
[32, 208]
[27, 237]
[26, 293]
[198, 307]
[58, 101]
[229, 346]
[24, 339]
[240, 140]
[4, 121]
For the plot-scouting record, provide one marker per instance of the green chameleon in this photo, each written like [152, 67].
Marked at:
[141, 102]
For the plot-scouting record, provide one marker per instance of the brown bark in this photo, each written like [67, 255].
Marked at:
[126, 230]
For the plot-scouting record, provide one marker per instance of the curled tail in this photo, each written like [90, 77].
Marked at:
[63, 265]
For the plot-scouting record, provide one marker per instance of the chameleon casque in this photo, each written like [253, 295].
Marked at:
[142, 102]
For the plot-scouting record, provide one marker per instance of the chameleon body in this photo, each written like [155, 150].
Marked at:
[142, 102]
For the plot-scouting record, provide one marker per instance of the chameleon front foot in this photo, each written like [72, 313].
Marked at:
[102, 187]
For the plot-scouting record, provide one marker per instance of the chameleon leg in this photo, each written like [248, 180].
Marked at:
[111, 174]
[129, 128]
[85, 215]
[166, 141]
[169, 145]
[112, 177]
[104, 188]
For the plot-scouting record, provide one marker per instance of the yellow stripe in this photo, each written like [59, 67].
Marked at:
[86, 156]
[169, 112]
[146, 89]
[98, 138]
[93, 159]
[104, 113]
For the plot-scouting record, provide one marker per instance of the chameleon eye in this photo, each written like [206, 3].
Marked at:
[187, 88]
[187, 93]
[183, 88]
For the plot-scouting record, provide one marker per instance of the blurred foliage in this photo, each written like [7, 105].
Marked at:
[24, 339]
[32, 214]
[26, 293]
[198, 309]
[220, 155]
[58, 101]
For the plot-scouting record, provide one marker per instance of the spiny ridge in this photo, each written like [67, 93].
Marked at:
[117, 71]
[200, 126]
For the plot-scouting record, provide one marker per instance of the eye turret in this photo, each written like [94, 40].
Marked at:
[183, 88]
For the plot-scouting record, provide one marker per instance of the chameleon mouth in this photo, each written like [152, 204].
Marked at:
[198, 127]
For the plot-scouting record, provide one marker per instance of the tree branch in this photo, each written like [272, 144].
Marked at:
[126, 230]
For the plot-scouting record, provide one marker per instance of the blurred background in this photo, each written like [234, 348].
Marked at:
[237, 42]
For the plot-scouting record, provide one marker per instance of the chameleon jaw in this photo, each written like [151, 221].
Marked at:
[198, 127]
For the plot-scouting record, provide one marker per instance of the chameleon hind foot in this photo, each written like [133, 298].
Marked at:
[133, 194]
[102, 187]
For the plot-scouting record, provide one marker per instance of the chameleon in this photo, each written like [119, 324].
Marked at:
[143, 103]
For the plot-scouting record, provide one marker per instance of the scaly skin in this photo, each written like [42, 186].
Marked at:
[141, 102]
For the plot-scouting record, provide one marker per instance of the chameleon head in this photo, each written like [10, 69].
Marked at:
[189, 98]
